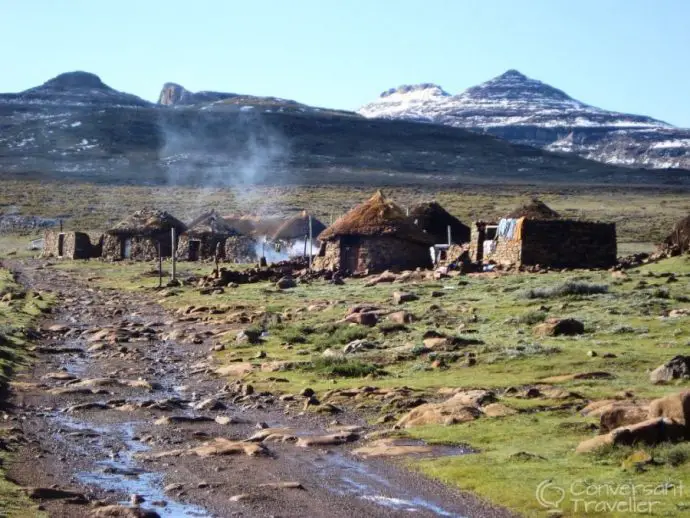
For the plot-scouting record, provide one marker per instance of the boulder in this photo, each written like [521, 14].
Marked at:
[677, 367]
[651, 432]
[401, 317]
[286, 283]
[400, 297]
[560, 327]
[390, 447]
[498, 410]
[674, 406]
[357, 346]
[368, 319]
[460, 408]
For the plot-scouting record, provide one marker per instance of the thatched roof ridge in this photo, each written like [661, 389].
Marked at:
[535, 209]
[146, 222]
[254, 225]
[210, 223]
[297, 227]
[435, 220]
[378, 216]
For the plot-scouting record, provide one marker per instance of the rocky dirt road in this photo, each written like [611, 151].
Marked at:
[119, 410]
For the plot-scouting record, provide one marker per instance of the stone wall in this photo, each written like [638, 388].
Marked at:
[553, 243]
[328, 257]
[240, 249]
[378, 253]
[75, 245]
[142, 249]
[569, 244]
[207, 249]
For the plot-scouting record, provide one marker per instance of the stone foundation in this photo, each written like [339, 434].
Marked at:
[75, 245]
[552, 243]
[143, 248]
[207, 247]
[240, 249]
[374, 254]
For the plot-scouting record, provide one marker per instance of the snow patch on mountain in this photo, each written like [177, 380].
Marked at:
[528, 111]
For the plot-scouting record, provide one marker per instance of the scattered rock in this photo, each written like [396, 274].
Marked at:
[326, 440]
[560, 327]
[120, 511]
[677, 367]
[400, 297]
[369, 319]
[674, 406]
[282, 485]
[286, 283]
[391, 447]
[452, 411]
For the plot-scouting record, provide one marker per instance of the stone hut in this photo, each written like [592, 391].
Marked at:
[139, 236]
[374, 236]
[202, 236]
[70, 245]
[536, 235]
[433, 219]
[678, 241]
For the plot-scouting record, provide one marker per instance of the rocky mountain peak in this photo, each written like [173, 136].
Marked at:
[171, 94]
[421, 89]
[76, 80]
[514, 85]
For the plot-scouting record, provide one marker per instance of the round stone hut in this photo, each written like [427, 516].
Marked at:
[138, 236]
[203, 235]
[374, 236]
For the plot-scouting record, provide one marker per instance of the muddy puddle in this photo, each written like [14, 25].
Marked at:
[356, 479]
[114, 468]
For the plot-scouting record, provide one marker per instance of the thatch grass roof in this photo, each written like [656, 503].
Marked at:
[435, 220]
[147, 222]
[297, 227]
[378, 216]
[254, 225]
[535, 209]
[210, 223]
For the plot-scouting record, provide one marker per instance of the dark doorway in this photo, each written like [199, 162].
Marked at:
[61, 245]
[194, 247]
[349, 254]
[127, 248]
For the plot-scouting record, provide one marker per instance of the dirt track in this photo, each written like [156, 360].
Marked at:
[113, 351]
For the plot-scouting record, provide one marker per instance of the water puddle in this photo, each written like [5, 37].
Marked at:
[120, 471]
[355, 479]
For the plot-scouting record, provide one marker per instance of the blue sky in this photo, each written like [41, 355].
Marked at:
[627, 55]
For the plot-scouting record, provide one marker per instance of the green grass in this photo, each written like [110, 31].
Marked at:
[16, 315]
[502, 474]
[623, 320]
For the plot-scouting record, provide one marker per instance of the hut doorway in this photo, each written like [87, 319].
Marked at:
[61, 245]
[126, 248]
[194, 249]
[349, 254]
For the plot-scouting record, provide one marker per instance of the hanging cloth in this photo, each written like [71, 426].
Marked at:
[518, 229]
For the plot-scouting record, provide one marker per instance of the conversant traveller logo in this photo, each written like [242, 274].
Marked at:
[586, 496]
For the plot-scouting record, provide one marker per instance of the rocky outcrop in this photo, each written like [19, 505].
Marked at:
[523, 110]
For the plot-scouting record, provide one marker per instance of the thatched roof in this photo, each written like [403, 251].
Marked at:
[378, 216]
[536, 209]
[147, 222]
[297, 227]
[254, 225]
[679, 238]
[435, 220]
[210, 223]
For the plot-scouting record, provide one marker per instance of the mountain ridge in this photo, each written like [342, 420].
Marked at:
[76, 127]
[527, 111]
